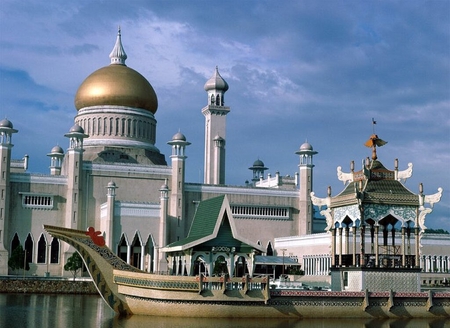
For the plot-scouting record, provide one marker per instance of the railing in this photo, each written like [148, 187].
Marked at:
[236, 283]
[384, 261]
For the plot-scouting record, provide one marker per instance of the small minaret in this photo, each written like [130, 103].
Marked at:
[108, 224]
[6, 132]
[163, 225]
[215, 129]
[56, 157]
[74, 172]
[306, 154]
[178, 158]
[258, 169]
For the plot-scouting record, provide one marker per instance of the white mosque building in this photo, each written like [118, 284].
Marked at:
[114, 178]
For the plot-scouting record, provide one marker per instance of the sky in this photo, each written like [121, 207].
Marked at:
[315, 71]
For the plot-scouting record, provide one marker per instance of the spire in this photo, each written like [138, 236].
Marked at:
[118, 55]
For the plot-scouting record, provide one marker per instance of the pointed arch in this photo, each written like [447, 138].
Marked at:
[29, 248]
[42, 250]
[269, 251]
[150, 254]
[15, 242]
[54, 251]
[122, 247]
[136, 250]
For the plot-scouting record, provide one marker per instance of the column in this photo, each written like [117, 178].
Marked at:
[340, 247]
[403, 247]
[143, 257]
[362, 259]
[354, 245]
[347, 241]
[333, 247]
[377, 260]
[416, 233]
[128, 254]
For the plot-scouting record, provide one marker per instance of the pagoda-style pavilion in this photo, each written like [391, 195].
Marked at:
[213, 245]
[376, 205]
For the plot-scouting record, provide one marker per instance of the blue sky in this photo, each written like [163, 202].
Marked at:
[297, 70]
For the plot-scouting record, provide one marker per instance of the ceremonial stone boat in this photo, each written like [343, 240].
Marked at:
[128, 290]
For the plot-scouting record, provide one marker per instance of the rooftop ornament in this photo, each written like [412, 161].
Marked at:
[374, 141]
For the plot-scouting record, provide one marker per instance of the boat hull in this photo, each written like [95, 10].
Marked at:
[128, 290]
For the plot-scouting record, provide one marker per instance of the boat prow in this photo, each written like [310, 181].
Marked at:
[100, 262]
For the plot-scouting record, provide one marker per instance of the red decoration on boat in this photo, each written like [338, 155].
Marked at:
[96, 236]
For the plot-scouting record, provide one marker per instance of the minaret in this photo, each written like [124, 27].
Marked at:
[215, 125]
[178, 158]
[56, 157]
[306, 154]
[74, 168]
[6, 131]
[108, 224]
[258, 169]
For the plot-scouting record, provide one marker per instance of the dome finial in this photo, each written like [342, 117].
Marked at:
[118, 55]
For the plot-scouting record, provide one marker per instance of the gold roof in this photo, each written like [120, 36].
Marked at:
[116, 85]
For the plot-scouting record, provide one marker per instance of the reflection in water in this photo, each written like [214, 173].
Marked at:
[26, 310]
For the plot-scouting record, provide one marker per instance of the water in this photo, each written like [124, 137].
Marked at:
[36, 310]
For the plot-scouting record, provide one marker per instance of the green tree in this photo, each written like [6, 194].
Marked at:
[74, 264]
[17, 259]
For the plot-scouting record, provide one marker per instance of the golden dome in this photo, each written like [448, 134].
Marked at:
[116, 85]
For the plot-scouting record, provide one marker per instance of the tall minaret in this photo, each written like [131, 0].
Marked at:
[306, 154]
[74, 167]
[215, 125]
[177, 230]
[6, 131]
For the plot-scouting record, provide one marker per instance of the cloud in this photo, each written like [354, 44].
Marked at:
[298, 70]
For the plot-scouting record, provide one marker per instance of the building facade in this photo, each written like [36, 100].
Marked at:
[113, 177]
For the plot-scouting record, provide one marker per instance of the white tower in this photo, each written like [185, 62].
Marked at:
[74, 167]
[306, 154]
[178, 157]
[6, 131]
[215, 125]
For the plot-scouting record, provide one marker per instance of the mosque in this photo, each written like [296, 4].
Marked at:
[114, 178]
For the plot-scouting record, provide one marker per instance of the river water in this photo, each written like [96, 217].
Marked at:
[37, 310]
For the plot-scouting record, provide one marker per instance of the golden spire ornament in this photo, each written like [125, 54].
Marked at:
[374, 141]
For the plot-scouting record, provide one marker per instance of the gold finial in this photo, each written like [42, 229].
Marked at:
[373, 142]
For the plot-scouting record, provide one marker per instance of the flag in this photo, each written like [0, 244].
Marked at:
[373, 121]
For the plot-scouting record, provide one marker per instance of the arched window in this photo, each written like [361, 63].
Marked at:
[54, 253]
[122, 248]
[150, 249]
[218, 100]
[136, 252]
[42, 250]
[269, 250]
[212, 100]
[220, 266]
[15, 242]
[29, 249]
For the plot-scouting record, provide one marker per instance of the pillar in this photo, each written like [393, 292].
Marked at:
[333, 247]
